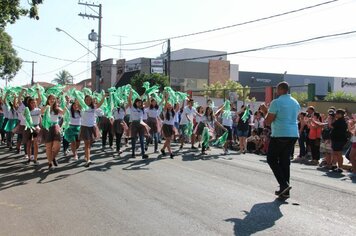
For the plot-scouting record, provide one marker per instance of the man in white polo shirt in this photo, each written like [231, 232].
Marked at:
[187, 116]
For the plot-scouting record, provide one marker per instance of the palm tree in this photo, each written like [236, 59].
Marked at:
[63, 77]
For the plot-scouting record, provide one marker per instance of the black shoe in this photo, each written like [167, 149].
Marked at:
[28, 161]
[133, 156]
[163, 152]
[181, 147]
[193, 147]
[18, 151]
[284, 191]
[144, 156]
[171, 156]
[55, 163]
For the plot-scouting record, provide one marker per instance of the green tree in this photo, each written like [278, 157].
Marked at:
[10, 64]
[153, 79]
[219, 90]
[10, 11]
[63, 77]
[302, 98]
[340, 96]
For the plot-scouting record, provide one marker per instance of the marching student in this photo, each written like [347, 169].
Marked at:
[88, 130]
[71, 134]
[119, 125]
[52, 135]
[153, 111]
[137, 125]
[30, 135]
[168, 129]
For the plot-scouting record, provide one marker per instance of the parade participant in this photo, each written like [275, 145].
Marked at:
[209, 120]
[51, 130]
[282, 116]
[30, 134]
[168, 129]
[71, 134]
[243, 120]
[11, 123]
[199, 124]
[119, 126]
[137, 125]
[3, 120]
[106, 128]
[187, 117]
[153, 111]
[19, 107]
[89, 132]
[225, 112]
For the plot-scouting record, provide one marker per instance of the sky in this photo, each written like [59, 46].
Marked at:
[141, 20]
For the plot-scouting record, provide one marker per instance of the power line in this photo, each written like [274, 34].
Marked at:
[270, 46]
[135, 49]
[44, 55]
[234, 25]
[66, 65]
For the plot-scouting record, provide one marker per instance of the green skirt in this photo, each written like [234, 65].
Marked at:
[72, 133]
[10, 125]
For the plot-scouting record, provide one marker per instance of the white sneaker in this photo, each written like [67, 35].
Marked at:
[226, 152]
[26, 157]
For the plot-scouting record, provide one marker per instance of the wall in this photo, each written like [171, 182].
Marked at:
[189, 75]
[191, 53]
[323, 107]
[347, 85]
[219, 71]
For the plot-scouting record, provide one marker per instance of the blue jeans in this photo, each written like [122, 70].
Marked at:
[142, 144]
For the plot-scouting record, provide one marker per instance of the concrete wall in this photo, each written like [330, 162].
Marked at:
[323, 107]
[190, 53]
[188, 75]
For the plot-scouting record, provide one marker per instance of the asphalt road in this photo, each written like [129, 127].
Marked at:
[220, 195]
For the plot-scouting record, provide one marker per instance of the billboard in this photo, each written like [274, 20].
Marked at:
[345, 84]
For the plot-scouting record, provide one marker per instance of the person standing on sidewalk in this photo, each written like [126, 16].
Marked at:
[282, 115]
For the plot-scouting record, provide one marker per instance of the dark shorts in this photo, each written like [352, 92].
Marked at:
[242, 133]
[29, 135]
[229, 130]
[152, 123]
[337, 146]
[52, 134]
[167, 130]
[200, 129]
[89, 133]
[137, 129]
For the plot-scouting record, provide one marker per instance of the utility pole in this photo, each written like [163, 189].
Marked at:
[33, 71]
[98, 16]
[169, 61]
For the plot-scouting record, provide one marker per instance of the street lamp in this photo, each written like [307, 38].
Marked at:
[98, 61]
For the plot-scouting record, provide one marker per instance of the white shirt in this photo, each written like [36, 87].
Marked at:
[171, 119]
[99, 112]
[199, 119]
[118, 115]
[5, 110]
[145, 114]
[153, 113]
[227, 121]
[35, 115]
[54, 117]
[187, 112]
[89, 117]
[136, 114]
[20, 114]
[76, 120]
[259, 123]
